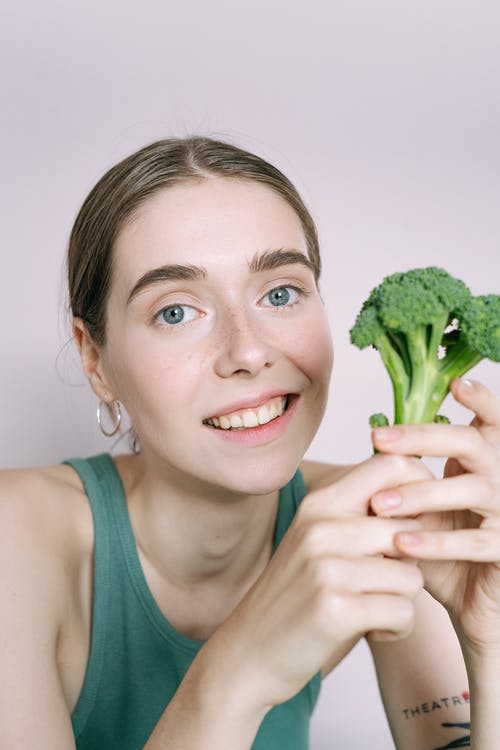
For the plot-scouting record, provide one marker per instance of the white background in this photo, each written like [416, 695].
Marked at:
[386, 115]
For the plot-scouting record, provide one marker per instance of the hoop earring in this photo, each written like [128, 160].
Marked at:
[112, 406]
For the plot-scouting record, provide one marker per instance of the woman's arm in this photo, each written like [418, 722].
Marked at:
[459, 547]
[484, 680]
[215, 705]
[423, 682]
[33, 711]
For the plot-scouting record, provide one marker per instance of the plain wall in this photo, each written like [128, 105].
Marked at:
[386, 116]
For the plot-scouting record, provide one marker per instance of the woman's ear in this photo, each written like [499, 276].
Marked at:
[92, 361]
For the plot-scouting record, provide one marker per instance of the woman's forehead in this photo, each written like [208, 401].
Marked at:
[207, 222]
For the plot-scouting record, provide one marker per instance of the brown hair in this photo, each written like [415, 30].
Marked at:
[128, 184]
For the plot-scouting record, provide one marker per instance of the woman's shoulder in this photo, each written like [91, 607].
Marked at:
[58, 476]
[46, 535]
[39, 484]
[318, 474]
[46, 502]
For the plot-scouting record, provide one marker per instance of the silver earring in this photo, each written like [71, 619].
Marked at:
[114, 409]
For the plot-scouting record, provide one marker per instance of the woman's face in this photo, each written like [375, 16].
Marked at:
[200, 326]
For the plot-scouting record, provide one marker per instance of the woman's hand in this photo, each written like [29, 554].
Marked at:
[334, 577]
[459, 550]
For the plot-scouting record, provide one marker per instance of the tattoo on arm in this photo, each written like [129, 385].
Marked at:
[463, 741]
[430, 707]
[436, 705]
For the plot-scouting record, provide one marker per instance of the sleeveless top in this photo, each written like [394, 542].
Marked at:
[137, 658]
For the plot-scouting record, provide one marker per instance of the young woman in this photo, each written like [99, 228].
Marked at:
[193, 593]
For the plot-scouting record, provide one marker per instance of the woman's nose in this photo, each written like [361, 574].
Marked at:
[243, 346]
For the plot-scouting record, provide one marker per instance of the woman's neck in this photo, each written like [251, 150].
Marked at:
[197, 538]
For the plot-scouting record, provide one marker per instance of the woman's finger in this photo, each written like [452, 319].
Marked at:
[392, 614]
[464, 492]
[479, 399]
[465, 443]
[473, 545]
[350, 495]
[372, 575]
[351, 538]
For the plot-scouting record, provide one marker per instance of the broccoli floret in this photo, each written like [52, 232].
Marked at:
[428, 329]
[378, 420]
[441, 419]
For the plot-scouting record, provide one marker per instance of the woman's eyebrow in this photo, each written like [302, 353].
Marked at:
[265, 261]
[173, 272]
[270, 259]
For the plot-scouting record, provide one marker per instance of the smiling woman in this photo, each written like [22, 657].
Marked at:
[194, 592]
[216, 309]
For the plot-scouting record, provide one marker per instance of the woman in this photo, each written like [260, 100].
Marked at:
[194, 592]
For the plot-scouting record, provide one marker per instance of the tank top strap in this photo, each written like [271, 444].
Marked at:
[291, 495]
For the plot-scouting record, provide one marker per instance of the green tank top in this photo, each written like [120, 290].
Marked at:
[137, 658]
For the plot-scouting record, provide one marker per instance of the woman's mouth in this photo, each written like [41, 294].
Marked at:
[246, 419]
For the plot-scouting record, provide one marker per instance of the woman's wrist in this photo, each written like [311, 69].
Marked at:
[483, 665]
[481, 652]
[483, 670]
[212, 708]
[225, 676]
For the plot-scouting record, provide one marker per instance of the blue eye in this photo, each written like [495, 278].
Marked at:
[281, 296]
[175, 315]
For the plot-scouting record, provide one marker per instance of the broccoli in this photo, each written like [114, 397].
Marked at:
[429, 329]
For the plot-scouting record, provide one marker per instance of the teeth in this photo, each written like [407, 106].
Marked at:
[264, 415]
[249, 417]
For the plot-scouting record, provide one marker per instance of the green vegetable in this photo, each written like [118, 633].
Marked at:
[378, 420]
[429, 329]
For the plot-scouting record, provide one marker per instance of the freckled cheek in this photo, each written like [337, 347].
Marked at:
[310, 344]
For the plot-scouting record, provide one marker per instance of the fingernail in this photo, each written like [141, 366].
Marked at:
[467, 383]
[409, 538]
[386, 434]
[387, 500]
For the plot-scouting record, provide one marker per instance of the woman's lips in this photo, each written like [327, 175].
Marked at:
[261, 434]
[253, 401]
[251, 416]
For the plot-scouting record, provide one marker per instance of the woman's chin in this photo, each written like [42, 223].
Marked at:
[260, 479]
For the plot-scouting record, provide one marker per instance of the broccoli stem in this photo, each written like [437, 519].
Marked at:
[394, 365]
[424, 396]
[461, 359]
[430, 384]
[419, 395]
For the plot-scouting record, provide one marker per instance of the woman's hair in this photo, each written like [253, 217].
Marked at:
[121, 191]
